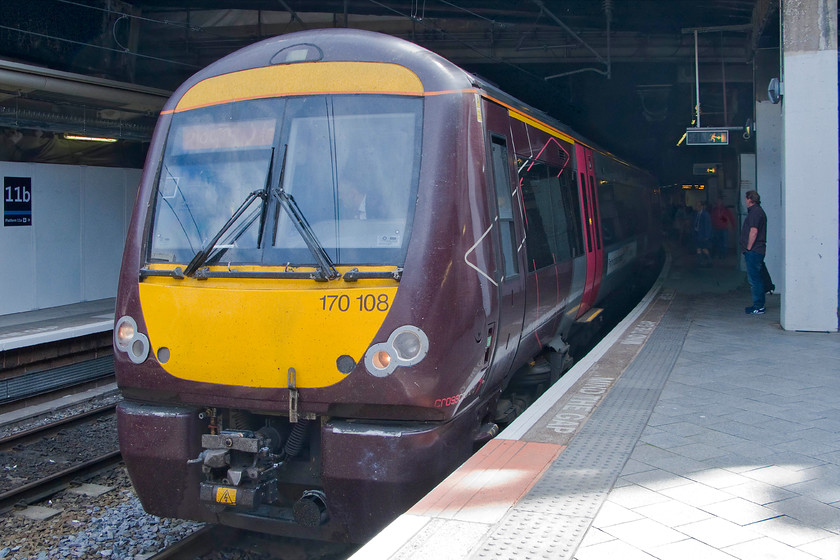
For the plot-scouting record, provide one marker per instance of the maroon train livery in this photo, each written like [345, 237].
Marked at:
[350, 261]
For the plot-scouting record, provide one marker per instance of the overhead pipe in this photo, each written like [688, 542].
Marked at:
[695, 31]
[59, 122]
[697, 76]
[599, 58]
[28, 78]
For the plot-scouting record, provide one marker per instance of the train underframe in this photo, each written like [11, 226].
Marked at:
[322, 478]
[319, 478]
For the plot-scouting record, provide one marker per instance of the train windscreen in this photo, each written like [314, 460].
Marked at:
[349, 165]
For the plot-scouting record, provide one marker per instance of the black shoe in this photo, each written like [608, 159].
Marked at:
[751, 310]
[771, 289]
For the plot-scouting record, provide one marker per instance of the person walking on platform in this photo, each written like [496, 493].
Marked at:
[722, 221]
[754, 246]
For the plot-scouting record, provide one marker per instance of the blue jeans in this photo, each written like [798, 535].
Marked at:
[753, 261]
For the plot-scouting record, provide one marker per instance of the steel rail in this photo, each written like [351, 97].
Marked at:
[200, 542]
[47, 486]
[36, 432]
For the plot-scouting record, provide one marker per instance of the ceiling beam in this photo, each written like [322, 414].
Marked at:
[761, 17]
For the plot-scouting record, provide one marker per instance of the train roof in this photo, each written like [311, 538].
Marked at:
[340, 44]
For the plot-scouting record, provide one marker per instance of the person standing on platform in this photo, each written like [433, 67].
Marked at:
[722, 221]
[754, 246]
[702, 234]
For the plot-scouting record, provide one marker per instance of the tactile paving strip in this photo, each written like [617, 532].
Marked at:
[551, 520]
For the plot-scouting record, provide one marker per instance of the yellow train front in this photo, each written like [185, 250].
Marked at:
[344, 249]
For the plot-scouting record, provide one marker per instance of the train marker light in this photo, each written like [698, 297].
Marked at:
[406, 346]
[302, 52]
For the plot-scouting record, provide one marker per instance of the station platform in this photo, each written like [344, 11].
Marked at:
[49, 350]
[53, 324]
[691, 431]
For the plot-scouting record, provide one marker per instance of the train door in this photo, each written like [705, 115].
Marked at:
[510, 258]
[591, 228]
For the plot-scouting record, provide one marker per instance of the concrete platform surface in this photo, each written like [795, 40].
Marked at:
[56, 323]
[720, 439]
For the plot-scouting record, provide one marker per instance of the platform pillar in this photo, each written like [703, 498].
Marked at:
[810, 166]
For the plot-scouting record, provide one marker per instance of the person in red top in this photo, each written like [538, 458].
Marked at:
[723, 220]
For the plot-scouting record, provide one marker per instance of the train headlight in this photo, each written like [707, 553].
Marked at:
[131, 341]
[124, 331]
[406, 346]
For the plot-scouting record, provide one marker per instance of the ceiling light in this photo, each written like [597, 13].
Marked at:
[89, 138]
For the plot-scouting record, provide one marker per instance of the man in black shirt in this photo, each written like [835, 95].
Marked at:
[754, 246]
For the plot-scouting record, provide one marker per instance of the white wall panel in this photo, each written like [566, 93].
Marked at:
[72, 250]
[103, 230]
[810, 298]
[17, 256]
[769, 130]
[56, 211]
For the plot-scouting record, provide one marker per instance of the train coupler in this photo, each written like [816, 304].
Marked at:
[240, 467]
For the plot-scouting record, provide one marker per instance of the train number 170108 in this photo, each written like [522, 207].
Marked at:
[364, 302]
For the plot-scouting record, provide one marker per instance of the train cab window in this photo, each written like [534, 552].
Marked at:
[552, 215]
[350, 163]
[214, 158]
[504, 206]
[352, 166]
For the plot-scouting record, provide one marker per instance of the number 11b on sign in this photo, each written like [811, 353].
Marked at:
[17, 201]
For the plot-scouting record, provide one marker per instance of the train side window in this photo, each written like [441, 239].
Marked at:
[586, 219]
[565, 219]
[610, 215]
[552, 210]
[623, 212]
[540, 240]
[571, 202]
[504, 205]
[596, 216]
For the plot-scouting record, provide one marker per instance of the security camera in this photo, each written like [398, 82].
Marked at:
[775, 91]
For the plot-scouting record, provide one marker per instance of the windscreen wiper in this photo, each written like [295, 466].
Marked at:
[326, 269]
[267, 192]
[201, 257]
[204, 254]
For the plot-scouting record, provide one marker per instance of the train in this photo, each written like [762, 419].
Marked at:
[349, 263]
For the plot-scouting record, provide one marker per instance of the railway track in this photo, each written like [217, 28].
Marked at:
[218, 541]
[42, 461]
[199, 543]
[37, 432]
[47, 486]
